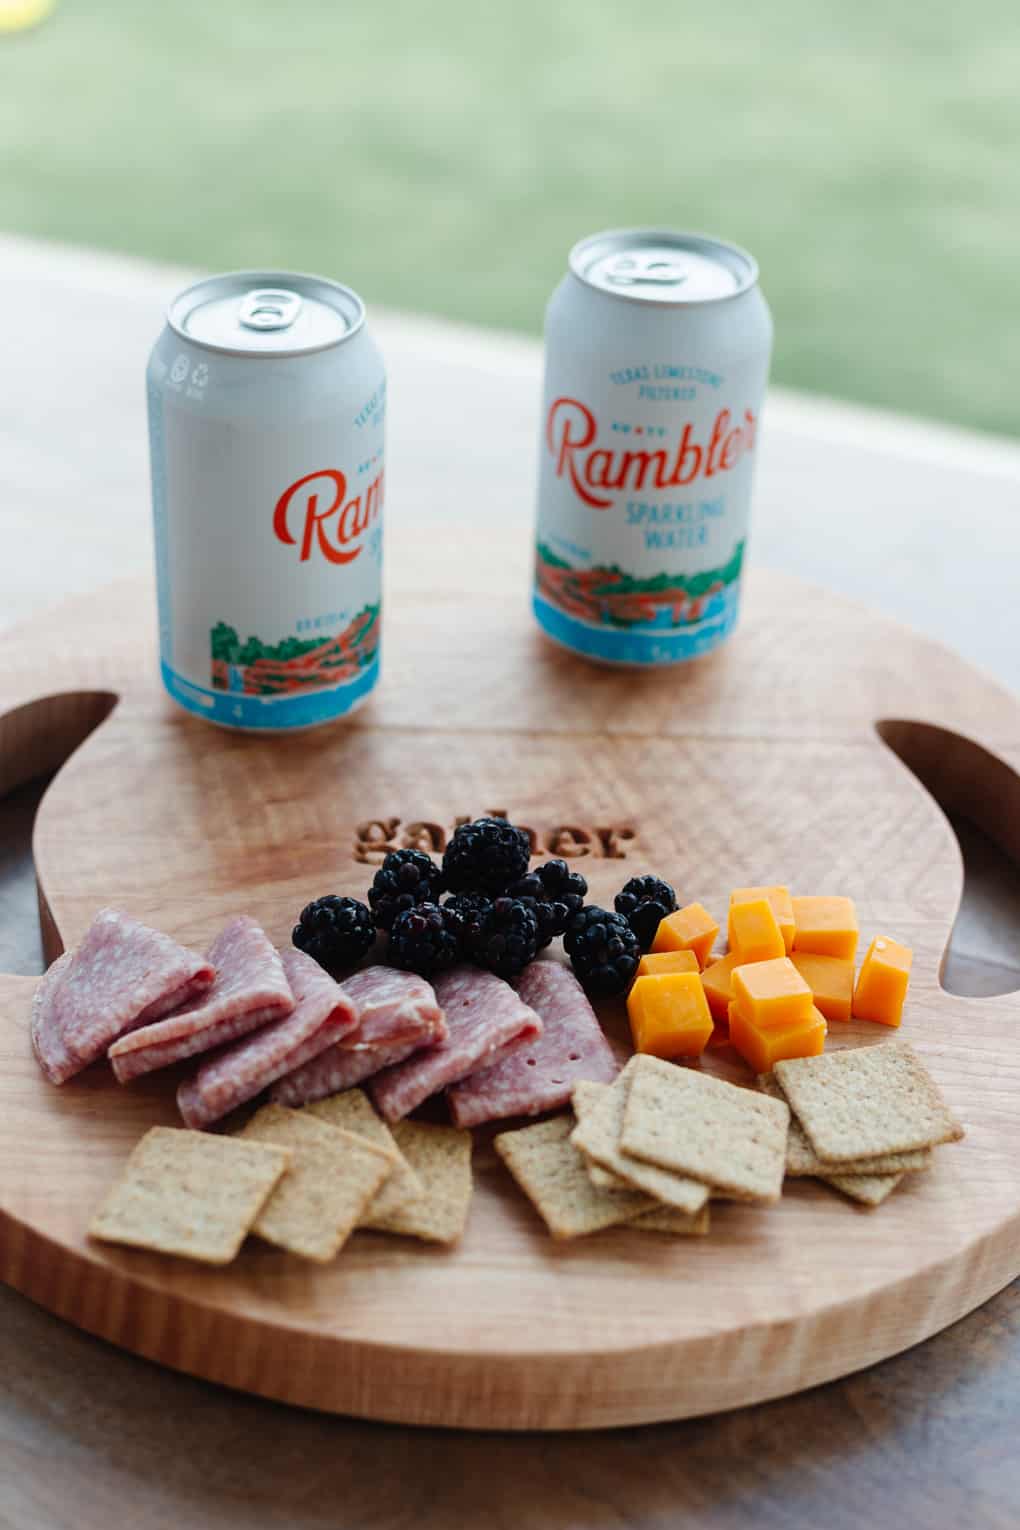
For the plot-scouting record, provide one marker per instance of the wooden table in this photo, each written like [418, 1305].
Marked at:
[924, 523]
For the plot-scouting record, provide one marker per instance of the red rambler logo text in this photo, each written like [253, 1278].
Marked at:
[571, 429]
[334, 527]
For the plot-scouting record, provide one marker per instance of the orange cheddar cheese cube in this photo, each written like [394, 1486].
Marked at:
[826, 926]
[717, 981]
[667, 961]
[782, 907]
[754, 931]
[882, 982]
[762, 1049]
[771, 993]
[831, 981]
[689, 929]
[669, 1015]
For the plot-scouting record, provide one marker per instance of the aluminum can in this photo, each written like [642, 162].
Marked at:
[657, 357]
[267, 405]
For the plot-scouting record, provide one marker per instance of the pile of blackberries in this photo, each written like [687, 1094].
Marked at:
[484, 905]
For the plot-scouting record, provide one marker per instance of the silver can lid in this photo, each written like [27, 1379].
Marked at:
[266, 313]
[652, 265]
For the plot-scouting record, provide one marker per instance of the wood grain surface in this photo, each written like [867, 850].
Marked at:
[759, 764]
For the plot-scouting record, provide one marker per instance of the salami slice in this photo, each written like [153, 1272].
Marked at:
[250, 990]
[122, 975]
[393, 1006]
[483, 1016]
[323, 1013]
[398, 1014]
[541, 1075]
[335, 1070]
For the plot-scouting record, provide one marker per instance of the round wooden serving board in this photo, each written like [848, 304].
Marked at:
[760, 764]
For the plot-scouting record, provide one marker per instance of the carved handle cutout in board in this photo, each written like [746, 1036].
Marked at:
[980, 797]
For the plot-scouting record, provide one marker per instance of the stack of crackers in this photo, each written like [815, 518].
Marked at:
[652, 1149]
[300, 1179]
[862, 1118]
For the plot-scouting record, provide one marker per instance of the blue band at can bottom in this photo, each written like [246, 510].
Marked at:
[642, 645]
[271, 714]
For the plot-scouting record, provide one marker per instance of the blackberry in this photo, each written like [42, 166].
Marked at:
[529, 886]
[486, 856]
[470, 908]
[546, 919]
[504, 938]
[561, 883]
[644, 902]
[603, 951]
[425, 939]
[337, 932]
[405, 878]
[556, 894]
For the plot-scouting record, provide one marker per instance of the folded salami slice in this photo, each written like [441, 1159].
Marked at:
[393, 1007]
[250, 990]
[323, 1013]
[122, 975]
[541, 1075]
[398, 1014]
[483, 1016]
[335, 1070]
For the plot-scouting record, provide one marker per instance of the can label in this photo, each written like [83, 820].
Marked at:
[644, 493]
[268, 561]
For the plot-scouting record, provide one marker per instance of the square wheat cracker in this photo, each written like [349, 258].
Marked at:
[867, 1101]
[583, 1102]
[333, 1178]
[552, 1174]
[603, 1180]
[353, 1112]
[600, 1110]
[868, 1189]
[802, 1160]
[732, 1139]
[189, 1193]
[675, 1224]
[440, 1156]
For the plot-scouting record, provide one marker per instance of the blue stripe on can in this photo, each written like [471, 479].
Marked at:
[648, 645]
[271, 714]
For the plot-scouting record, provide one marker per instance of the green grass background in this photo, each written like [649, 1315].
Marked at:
[443, 157]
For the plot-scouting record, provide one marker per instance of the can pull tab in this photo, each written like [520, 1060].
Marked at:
[651, 270]
[269, 308]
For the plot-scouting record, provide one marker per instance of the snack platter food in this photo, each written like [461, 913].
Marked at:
[761, 764]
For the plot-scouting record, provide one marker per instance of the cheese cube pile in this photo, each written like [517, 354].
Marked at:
[788, 973]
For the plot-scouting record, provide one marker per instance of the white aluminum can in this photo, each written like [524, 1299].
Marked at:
[657, 357]
[267, 403]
